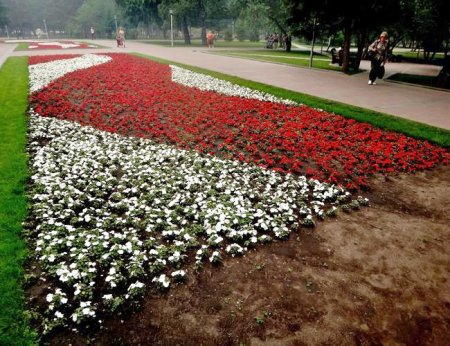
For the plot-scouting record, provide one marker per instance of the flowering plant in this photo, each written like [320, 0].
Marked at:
[134, 173]
[276, 135]
[58, 45]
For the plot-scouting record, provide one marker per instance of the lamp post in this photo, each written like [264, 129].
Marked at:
[312, 46]
[115, 20]
[45, 27]
[171, 27]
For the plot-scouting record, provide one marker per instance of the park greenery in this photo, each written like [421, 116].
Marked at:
[422, 24]
[14, 324]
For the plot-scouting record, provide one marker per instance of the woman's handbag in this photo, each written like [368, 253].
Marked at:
[371, 54]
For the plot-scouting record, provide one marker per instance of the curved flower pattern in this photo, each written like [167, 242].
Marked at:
[208, 83]
[43, 74]
[110, 212]
[125, 202]
[137, 97]
[57, 45]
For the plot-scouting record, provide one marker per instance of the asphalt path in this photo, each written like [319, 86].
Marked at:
[421, 104]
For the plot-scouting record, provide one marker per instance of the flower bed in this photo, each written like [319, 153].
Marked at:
[58, 45]
[133, 96]
[121, 205]
[40, 59]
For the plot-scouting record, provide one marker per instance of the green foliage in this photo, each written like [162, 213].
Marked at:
[28, 15]
[3, 16]
[97, 13]
[253, 21]
[14, 328]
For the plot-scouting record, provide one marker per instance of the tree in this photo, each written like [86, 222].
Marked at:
[264, 16]
[193, 12]
[142, 12]
[96, 13]
[253, 20]
[3, 17]
[28, 15]
[354, 19]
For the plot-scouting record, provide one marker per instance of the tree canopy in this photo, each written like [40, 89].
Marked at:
[424, 22]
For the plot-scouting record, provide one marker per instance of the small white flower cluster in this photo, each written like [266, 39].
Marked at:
[63, 45]
[205, 82]
[41, 75]
[111, 212]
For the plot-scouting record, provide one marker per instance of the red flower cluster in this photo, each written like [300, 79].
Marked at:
[136, 97]
[40, 59]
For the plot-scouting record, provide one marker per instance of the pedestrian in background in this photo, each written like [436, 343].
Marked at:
[378, 55]
[275, 40]
[210, 38]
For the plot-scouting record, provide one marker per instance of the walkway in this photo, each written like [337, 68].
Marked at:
[416, 103]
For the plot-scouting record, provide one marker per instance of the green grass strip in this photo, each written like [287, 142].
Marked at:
[294, 58]
[14, 324]
[426, 81]
[198, 43]
[22, 46]
[385, 121]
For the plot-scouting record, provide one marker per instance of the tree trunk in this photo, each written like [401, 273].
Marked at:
[347, 41]
[187, 36]
[361, 44]
[288, 43]
[329, 43]
[202, 19]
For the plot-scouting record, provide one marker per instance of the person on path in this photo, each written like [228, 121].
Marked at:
[92, 32]
[275, 40]
[120, 37]
[378, 56]
[210, 38]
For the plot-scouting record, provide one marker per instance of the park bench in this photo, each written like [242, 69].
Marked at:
[337, 58]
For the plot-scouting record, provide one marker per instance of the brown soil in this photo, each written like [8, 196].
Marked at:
[378, 276]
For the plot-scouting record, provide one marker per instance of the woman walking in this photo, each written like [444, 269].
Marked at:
[378, 56]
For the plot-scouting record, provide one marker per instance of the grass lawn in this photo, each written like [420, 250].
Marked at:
[428, 81]
[198, 43]
[14, 328]
[294, 58]
[438, 58]
[24, 45]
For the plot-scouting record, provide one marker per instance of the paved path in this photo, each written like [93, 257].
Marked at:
[420, 104]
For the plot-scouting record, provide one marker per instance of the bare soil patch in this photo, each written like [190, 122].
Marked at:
[378, 276]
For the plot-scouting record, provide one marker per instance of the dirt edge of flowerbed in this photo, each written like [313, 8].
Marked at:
[375, 276]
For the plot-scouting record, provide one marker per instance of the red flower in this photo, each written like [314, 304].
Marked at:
[136, 97]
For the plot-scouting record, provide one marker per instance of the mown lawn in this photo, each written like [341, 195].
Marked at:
[294, 58]
[14, 324]
[198, 43]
